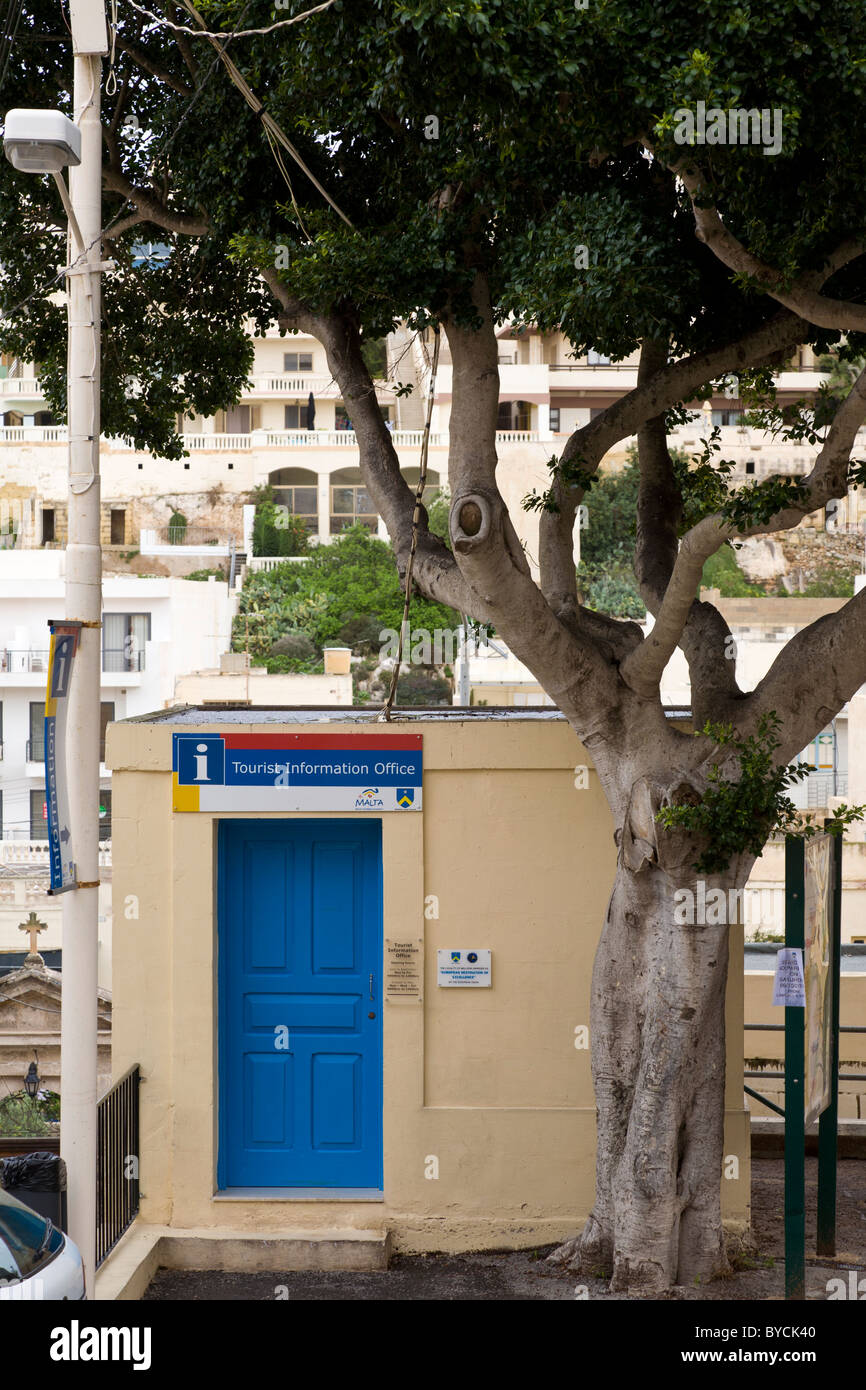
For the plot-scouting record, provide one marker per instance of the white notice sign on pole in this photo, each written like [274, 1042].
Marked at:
[789, 985]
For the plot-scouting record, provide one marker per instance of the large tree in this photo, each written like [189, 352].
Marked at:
[445, 164]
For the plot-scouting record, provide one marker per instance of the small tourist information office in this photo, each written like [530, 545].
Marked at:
[353, 962]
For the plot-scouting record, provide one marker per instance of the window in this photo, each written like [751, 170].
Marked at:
[727, 417]
[750, 465]
[36, 740]
[48, 533]
[38, 814]
[350, 505]
[297, 361]
[597, 359]
[296, 417]
[118, 526]
[238, 420]
[513, 415]
[341, 418]
[106, 715]
[302, 502]
[104, 814]
[554, 418]
[123, 639]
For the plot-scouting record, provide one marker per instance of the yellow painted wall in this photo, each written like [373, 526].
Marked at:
[488, 1082]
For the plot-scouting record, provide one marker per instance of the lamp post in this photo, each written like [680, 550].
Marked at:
[46, 142]
[31, 1081]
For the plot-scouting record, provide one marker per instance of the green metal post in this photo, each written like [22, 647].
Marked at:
[795, 1065]
[828, 1122]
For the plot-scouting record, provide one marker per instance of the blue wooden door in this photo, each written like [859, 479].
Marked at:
[300, 914]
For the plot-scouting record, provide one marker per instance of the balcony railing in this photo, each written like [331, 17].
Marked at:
[184, 535]
[290, 384]
[34, 853]
[35, 750]
[592, 366]
[33, 434]
[119, 659]
[20, 386]
[23, 660]
[819, 787]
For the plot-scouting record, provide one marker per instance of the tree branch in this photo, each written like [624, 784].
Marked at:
[435, 569]
[665, 388]
[642, 670]
[801, 297]
[144, 60]
[151, 208]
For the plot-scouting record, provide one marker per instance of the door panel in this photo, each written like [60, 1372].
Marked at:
[300, 949]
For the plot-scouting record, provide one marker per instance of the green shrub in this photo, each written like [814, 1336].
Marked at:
[353, 577]
[206, 574]
[22, 1116]
[422, 686]
[296, 646]
[723, 572]
[177, 524]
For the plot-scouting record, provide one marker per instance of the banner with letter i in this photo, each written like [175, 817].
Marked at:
[64, 644]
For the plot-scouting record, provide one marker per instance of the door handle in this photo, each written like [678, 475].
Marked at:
[371, 984]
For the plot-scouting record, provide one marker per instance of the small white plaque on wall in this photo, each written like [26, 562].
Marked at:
[465, 969]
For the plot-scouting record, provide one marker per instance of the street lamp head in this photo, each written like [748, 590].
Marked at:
[31, 1081]
[40, 142]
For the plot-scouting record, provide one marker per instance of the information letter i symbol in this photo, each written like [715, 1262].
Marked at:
[201, 763]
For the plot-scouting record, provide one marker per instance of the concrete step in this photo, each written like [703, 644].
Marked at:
[296, 1250]
[144, 1249]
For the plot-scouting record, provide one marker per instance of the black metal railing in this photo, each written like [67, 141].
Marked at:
[780, 1075]
[117, 1188]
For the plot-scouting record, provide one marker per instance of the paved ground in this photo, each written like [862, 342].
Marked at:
[510, 1275]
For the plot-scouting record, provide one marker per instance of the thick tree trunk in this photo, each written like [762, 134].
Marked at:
[657, 1029]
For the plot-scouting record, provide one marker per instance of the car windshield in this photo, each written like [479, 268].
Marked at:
[26, 1239]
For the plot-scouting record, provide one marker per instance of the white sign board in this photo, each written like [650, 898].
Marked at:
[468, 969]
[788, 985]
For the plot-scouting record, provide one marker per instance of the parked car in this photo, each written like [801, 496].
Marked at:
[37, 1261]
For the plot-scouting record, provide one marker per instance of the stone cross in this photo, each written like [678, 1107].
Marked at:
[34, 927]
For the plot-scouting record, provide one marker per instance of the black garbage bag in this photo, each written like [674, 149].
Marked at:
[35, 1172]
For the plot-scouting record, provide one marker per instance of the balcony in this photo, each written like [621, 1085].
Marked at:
[33, 434]
[118, 659]
[185, 540]
[819, 787]
[24, 661]
[26, 856]
[292, 384]
[18, 386]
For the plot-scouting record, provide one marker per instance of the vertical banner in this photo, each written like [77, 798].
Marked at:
[64, 645]
[818, 975]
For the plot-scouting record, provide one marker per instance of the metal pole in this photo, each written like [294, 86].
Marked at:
[795, 1065]
[828, 1121]
[83, 603]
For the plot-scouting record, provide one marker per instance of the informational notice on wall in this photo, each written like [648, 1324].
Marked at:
[404, 970]
[788, 985]
[464, 969]
[262, 772]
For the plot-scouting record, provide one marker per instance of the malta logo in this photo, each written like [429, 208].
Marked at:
[455, 957]
[369, 799]
[405, 796]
